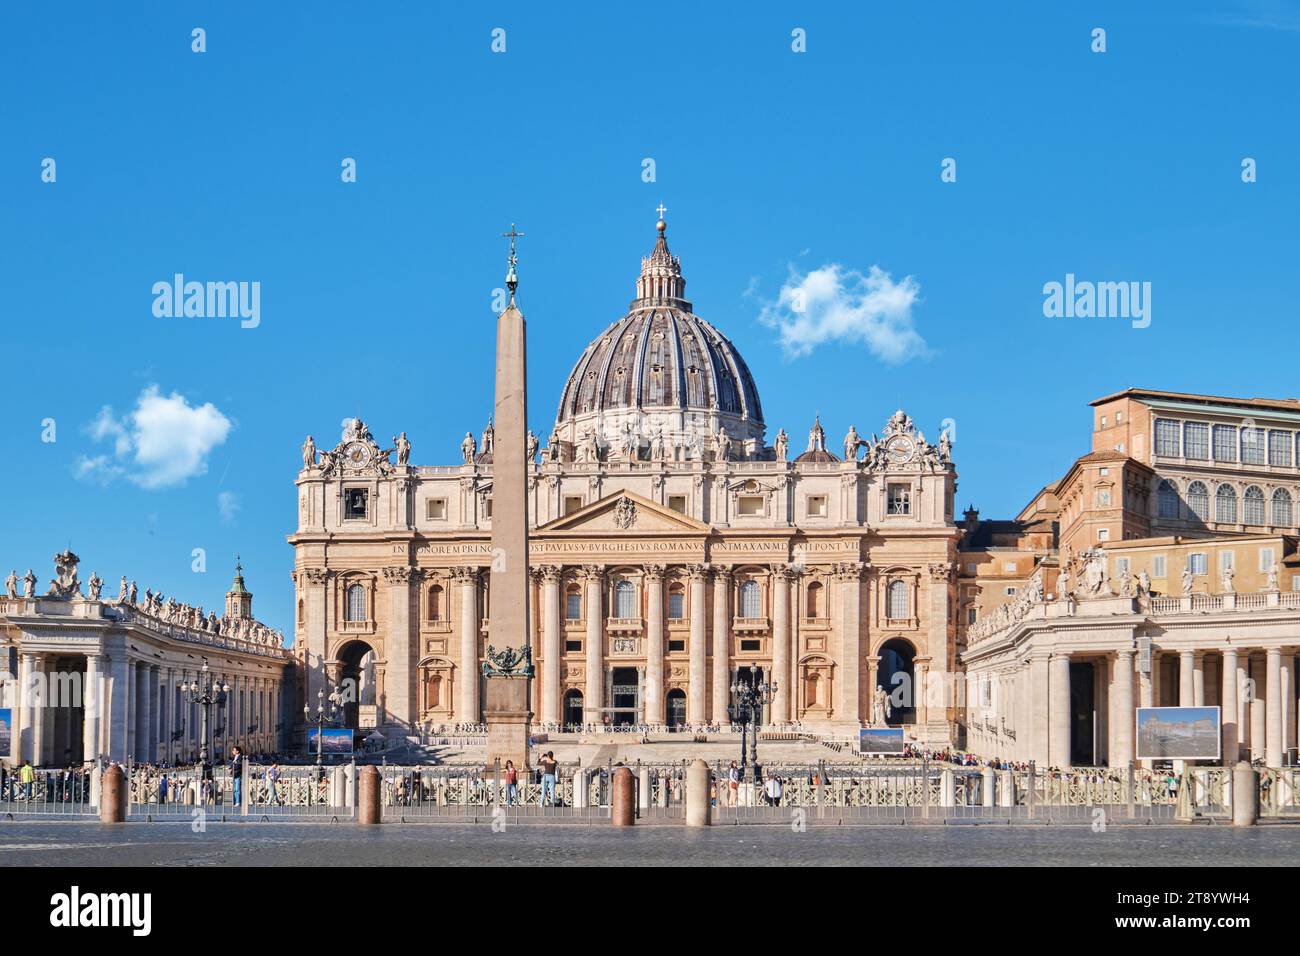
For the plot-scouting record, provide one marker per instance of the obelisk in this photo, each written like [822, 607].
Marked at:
[508, 667]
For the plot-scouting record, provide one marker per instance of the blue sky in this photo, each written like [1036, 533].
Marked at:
[775, 166]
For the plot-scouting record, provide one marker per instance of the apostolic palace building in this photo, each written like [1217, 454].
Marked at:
[678, 547]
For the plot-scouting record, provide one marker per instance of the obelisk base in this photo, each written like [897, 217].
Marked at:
[505, 708]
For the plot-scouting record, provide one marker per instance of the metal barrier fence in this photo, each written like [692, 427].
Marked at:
[897, 791]
[53, 792]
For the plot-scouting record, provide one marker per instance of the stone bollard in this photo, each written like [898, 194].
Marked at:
[1007, 788]
[338, 789]
[112, 795]
[663, 791]
[697, 794]
[986, 792]
[947, 788]
[643, 784]
[579, 789]
[350, 785]
[368, 790]
[622, 799]
[1245, 795]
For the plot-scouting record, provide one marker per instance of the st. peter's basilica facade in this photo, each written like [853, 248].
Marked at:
[674, 549]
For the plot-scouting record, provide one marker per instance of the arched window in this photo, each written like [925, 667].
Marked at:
[302, 613]
[573, 603]
[815, 600]
[1198, 500]
[356, 609]
[1167, 500]
[1253, 505]
[1282, 508]
[435, 603]
[676, 602]
[1225, 505]
[625, 599]
[896, 605]
[749, 604]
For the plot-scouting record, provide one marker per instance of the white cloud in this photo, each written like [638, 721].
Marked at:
[228, 506]
[163, 442]
[834, 304]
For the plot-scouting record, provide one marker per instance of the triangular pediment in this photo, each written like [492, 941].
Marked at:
[625, 512]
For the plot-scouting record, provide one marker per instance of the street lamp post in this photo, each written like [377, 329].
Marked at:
[205, 690]
[746, 709]
[323, 716]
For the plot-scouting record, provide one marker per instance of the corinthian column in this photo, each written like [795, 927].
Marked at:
[550, 643]
[849, 576]
[1230, 699]
[721, 643]
[781, 644]
[697, 699]
[400, 649]
[1122, 728]
[593, 698]
[467, 578]
[654, 644]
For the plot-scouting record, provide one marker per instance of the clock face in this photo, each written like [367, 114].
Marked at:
[901, 449]
[357, 454]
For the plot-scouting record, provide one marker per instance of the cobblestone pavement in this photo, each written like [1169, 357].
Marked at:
[273, 844]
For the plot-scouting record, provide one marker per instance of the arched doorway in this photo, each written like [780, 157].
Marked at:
[357, 684]
[572, 711]
[676, 708]
[896, 673]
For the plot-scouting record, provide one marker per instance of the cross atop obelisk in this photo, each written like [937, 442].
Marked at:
[512, 280]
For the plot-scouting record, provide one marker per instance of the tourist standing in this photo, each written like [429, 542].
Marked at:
[549, 764]
[272, 775]
[733, 784]
[27, 777]
[236, 773]
[512, 783]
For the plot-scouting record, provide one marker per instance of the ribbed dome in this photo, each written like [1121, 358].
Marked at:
[664, 361]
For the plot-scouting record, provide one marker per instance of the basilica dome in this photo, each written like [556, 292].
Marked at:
[662, 368]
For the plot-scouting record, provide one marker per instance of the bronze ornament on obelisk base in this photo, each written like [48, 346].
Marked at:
[508, 661]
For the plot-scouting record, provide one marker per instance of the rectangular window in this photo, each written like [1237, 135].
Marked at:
[1160, 566]
[354, 503]
[1196, 441]
[1167, 438]
[573, 645]
[1198, 562]
[1225, 560]
[677, 503]
[487, 507]
[573, 606]
[1252, 446]
[1103, 534]
[970, 615]
[1103, 472]
[1225, 443]
[816, 506]
[1121, 565]
[1265, 559]
[749, 505]
[899, 500]
[1011, 591]
[751, 645]
[676, 605]
[1279, 448]
[1009, 567]
[572, 503]
[675, 647]
[435, 509]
